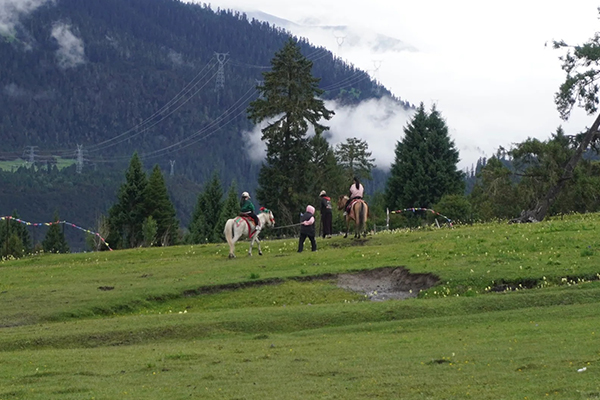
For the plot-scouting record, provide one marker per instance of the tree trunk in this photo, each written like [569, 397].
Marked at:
[538, 213]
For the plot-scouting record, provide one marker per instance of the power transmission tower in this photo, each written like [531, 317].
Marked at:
[220, 80]
[377, 65]
[29, 153]
[79, 158]
[340, 41]
[172, 162]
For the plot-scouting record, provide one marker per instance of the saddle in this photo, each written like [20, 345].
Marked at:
[249, 221]
[350, 210]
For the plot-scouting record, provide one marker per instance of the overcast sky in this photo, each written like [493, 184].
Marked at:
[484, 64]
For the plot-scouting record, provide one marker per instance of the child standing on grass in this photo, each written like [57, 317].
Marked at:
[307, 229]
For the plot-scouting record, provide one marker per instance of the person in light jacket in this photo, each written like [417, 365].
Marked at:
[356, 192]
[307, 229]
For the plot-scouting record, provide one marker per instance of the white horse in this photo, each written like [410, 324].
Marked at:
[237, 228]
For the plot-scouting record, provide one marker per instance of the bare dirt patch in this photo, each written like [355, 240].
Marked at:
[387, 283]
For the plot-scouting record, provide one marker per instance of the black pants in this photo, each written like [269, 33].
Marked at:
[326, 221]
[252, 215]
[303, 237]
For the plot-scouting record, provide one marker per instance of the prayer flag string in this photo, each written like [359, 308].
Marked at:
[56, 223]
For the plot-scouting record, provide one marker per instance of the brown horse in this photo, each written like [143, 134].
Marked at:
[358, 213]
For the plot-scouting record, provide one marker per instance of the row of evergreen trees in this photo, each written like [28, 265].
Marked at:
[15, 240]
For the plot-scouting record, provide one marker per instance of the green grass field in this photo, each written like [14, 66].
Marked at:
[514, 316]
[15, 164]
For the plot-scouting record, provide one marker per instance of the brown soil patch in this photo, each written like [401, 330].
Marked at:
[387, 283]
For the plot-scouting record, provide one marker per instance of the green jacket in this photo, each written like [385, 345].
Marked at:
[246, 206]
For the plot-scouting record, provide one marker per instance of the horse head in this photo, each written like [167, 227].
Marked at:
[342, 202]
[268, 218]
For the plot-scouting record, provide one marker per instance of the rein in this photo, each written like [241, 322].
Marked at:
[286, 226]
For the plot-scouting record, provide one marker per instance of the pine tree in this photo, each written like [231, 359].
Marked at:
[161, 209]
[290, 97]
[231, 208]
[207, 212]
[323, 171]
[354, 157]
[54, 241]
[425, 165]
[443, 158]
[126, 217]
[495, 195]
[14, 237]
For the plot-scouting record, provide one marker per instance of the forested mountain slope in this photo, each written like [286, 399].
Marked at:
[96, 80]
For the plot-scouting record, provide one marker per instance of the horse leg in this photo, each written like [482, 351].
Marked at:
[258, 243]
[347, 228]
[251, 244]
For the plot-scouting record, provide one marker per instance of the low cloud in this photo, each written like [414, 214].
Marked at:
[71, 49]
[15, 91]
[11, 11]
[379, 122]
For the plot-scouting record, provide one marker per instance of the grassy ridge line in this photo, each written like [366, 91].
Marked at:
[131, 330]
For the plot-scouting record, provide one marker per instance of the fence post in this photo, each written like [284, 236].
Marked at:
[387, 219]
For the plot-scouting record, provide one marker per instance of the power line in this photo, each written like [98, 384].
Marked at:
[225, 118]
[141, 128]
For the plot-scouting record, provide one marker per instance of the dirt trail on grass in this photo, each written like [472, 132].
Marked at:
[387, 283]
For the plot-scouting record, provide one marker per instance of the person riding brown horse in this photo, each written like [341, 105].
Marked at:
[358, 213]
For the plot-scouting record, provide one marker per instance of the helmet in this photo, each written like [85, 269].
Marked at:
[246, 194]
[323, 193]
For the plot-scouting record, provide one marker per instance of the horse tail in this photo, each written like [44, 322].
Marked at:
[361, 215]
[228, 231]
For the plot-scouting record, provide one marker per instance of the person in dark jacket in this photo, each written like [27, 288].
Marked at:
[307, 229]
[326, 215]
[247, 208]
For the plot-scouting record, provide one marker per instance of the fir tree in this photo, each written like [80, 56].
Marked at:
[495, 195]
[323, 170]
[289, 102]
[425, 165]
[14, 237]
[161, 209]
[127, 216]
[55, 241]
[207, 212]
[231, 208]
[354, 157]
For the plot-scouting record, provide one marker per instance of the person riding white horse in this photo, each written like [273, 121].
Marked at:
[237, 228]
[247, 209]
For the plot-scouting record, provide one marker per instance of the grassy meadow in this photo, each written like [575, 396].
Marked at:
[16, 163]
[514, 316]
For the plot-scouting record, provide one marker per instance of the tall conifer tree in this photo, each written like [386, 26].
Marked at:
[425, 165]
[161, 209]
[290, 102]
[354, 157]
[127, 216]
[14, 237]
[55, 241]
[207, 212]
[231, 208]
